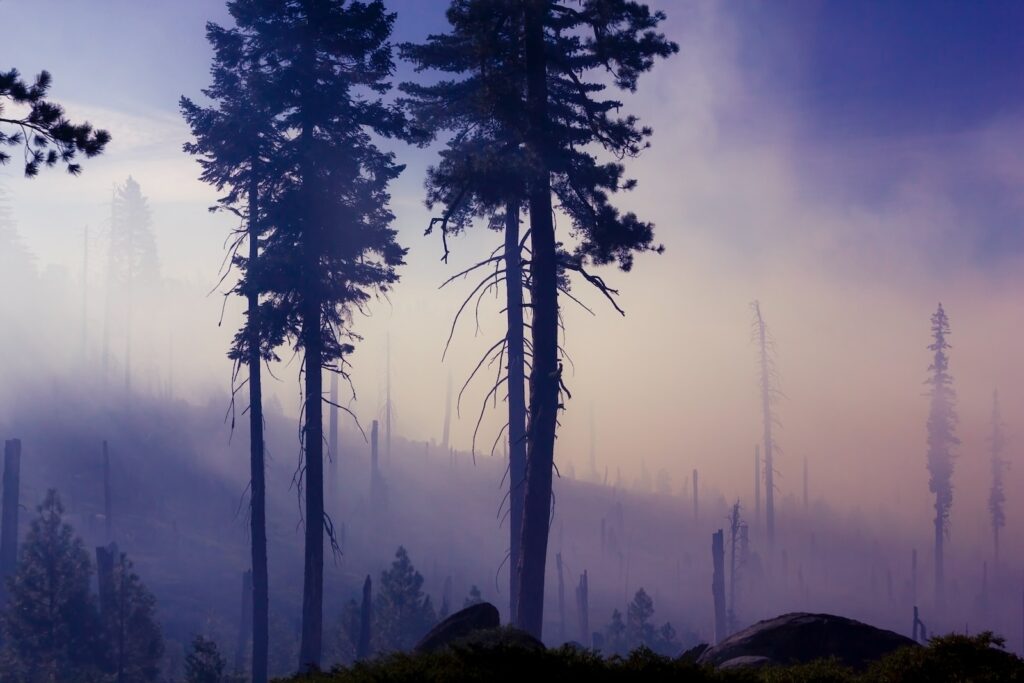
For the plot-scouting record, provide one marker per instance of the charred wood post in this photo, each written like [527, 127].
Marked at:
[9, 521]
[363, 647]
[245, 627]
[718, 584]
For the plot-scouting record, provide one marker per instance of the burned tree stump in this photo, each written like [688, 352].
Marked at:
[363, 646]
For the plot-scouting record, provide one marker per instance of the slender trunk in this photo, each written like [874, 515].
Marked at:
[363, 646]
[9, 522]
[334, 496]
[696, 500]
[718, 584]
[545, 372]
[313, 576]
[108, 513]
[447, 417]
[387, 407]
[374, 470]
[257, 469]
[311, 312]
[757, 485]
[913, 576]
[940, 575]
[768, 420]
[516, 398]
[583, 607]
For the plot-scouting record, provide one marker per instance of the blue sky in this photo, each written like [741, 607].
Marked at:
[847, 162]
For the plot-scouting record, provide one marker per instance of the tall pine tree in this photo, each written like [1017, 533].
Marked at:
[572, 52]
[323, 67]
[51, 626]
[526, 109]
[481, 176]
[942, 441]
[236, 143]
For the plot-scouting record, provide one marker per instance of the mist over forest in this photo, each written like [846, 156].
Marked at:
[798, 327]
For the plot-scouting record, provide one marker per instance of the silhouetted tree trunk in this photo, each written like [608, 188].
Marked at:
[696, 501]
[334, 496]
[516, 397]
[913, 576]
[545, 372]
[108, 513]
[446, 434]
[245, 625]
[805, 484]
[718, 584]
[757, 485]
[374, 470]
[257, 467]
[583, 607]
[9, 522]
[363, 647]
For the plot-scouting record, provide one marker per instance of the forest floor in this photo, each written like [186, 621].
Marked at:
[979, 659]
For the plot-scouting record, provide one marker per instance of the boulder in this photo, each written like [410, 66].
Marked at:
[745, 662]
[479, 617]
[499, 638]
[802, 637]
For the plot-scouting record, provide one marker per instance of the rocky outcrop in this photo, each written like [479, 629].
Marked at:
[482, 616]
[802, 637]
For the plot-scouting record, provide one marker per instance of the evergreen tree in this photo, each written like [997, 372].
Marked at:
[51, 627]
[525, 112]
[402, 612]
[131, 262]
[205, 664]
[942, 440]
[474, 597]
[44, 133]
[133, 635]
[615, 635]
[639, 629]
[323, 67]
[481, 174]
[572, 51]
[235, 144]
[996, 496]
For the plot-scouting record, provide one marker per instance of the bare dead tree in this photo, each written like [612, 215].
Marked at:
[768, 381]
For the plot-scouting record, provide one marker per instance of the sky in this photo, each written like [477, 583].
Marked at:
[847, 164]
